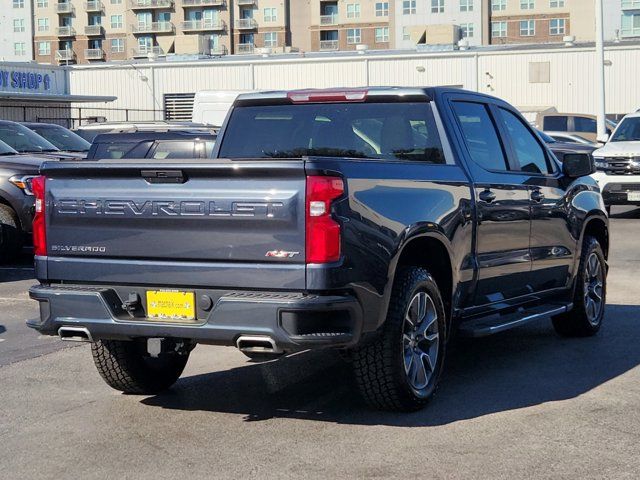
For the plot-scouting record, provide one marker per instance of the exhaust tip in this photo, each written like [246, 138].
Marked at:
[75, 334]
[258, 344]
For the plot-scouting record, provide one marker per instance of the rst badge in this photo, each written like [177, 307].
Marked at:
[281, 254]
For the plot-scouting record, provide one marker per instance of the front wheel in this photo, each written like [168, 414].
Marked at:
[590, 295]
[400, 368]
[126, 366]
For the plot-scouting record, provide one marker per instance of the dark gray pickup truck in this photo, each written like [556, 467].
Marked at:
[377, 221]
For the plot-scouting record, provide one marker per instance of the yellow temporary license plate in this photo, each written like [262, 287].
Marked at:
[171, 305]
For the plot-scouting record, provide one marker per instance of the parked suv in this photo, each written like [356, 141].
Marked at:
[25, 140]
[63, 138]
[618, 164]
[582, 125]
[152, 144]
[375, 221]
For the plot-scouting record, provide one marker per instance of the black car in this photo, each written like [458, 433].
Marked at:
[152, 144]
[16, 198]
[63, 138]
[560, 149]
[25, 140]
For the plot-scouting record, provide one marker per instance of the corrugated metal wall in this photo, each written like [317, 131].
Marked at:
[506, 74]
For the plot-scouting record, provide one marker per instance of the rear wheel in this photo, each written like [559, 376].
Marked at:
[590, 295]
[400, 368]
[126, 366]
[11, 234]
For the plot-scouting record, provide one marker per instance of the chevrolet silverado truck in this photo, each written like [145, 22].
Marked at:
[376, 221]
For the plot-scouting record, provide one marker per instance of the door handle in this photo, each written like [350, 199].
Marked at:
[537, 196]
[487, 196]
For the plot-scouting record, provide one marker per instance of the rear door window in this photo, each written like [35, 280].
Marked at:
[556, 123]
[174, 149]
[583, 124]
[400, 131]
[480, 135]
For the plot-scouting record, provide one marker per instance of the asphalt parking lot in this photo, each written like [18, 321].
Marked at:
[522, 404]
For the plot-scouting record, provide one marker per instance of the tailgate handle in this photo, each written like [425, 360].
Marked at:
[163, 176]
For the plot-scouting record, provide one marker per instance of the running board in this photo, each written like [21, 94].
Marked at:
[485, 326]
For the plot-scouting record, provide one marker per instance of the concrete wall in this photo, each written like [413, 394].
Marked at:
[506, 74]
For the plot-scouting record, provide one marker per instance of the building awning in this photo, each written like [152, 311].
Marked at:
[36, 97]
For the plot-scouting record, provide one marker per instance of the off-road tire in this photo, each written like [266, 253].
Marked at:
[11, 234]
[379, 364]
[127, 367]
[576, 323]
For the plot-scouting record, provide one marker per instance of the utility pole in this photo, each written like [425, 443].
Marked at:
[600, 84]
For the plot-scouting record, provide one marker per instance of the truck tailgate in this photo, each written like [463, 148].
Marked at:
[175, 221]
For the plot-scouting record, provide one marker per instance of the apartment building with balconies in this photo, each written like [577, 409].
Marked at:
[440, 22]
[343, 24]
[16, 27]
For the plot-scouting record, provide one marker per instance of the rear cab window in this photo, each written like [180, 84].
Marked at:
[396, 130]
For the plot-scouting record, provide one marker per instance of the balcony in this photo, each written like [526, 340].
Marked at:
[329, 19]
[202, 25]
[219, 50]
[247, 3]
[151, 4]
[93, 6]
[94, 54]
[327, 45]
[154, 27]
[246, 24]
[245, 48]
[66, 31]
[93, 30]
[203, 3]
[65, 7]
[146, 51]
[66, 55]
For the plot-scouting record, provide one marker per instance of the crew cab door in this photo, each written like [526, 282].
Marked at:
[552, 244]
[502, 204]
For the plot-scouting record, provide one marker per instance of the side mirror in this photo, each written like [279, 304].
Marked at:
[575, 165]
[604, 138]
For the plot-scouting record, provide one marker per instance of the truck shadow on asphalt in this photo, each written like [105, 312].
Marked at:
[513, 370]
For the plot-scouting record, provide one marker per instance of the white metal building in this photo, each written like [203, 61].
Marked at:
[531, 78]
[16, 30]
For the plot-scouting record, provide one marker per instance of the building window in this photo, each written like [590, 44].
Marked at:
[498, 5]
[437, 6]
[271, 39]
[43, 24]
[557, 3]
[498, 29]
[557, 26]
[466, 30]
[406, 33]
[18, 4]
[527, 4]
[382, 34]
[408, 7]
[116, 2]
[18, 25]
[19, 49]
[630, 25]
[354, 36]
[270, 14]
[44, 48]
[527, 28]
[466, 5]
[42, 3]
[382, 9]
[353, 10]
[116, 21]
[117, 45]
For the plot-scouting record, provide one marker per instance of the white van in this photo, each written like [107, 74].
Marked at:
[211, 106]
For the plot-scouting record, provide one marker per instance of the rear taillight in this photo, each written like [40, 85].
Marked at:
[323, 232]
[39, 227]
